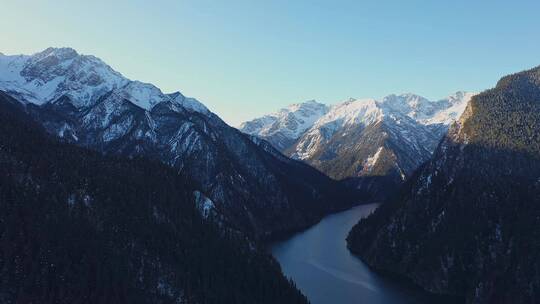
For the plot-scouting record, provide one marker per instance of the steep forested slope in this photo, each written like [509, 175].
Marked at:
[468, 223]
[78, 227]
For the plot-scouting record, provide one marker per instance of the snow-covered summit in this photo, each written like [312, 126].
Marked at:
[312, 123]
[286, 124]
[351, 112]
[56, 72]
[188, 102]
[386, 138]
[368, 111]
[424, 111]
[454, 106]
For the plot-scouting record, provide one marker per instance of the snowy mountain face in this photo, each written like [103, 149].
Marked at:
[62, 72]
[378, 143]
[426, 112]
[373, 141]
[82, 100]
[355, 113]
[284, 127]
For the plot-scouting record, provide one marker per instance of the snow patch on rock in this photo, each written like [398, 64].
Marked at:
[204, 204]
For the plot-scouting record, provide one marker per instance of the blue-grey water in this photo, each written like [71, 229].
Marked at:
[327, 273]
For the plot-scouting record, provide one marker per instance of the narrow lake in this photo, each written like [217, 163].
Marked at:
[327, 273]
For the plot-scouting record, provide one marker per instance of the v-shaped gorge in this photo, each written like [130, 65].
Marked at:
[464, 223]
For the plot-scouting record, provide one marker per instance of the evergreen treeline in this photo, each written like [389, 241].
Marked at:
[79, 227]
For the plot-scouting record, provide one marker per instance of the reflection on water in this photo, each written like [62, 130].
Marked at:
[327, 273]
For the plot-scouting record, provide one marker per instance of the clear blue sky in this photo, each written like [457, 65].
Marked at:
[246, 58]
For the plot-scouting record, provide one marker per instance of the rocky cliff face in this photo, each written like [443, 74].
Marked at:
[467, 222]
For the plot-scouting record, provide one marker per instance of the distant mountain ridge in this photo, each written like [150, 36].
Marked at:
[82, 100]
[375, 144]
[287, 125]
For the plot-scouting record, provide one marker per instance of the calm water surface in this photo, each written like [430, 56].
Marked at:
[327, 273]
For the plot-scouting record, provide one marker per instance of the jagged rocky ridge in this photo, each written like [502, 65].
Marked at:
[80, 227]
[374, 145]
[467, 223]
[254, 188]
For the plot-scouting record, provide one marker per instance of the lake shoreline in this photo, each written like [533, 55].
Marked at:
[284, 235]
[318, 261]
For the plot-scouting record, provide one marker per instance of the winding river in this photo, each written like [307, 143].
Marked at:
[327, 273]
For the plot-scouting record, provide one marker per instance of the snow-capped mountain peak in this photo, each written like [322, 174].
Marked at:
[142, 94]
[310, 124]
[351, 112]
[387, 138]
[188, 103]
[427, 112]
[286, 125]
[56, 72]
[451, 109]
[62, 53]
[407, 103]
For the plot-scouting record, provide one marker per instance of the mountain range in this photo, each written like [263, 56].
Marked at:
[375, 145]
[253, 187]
[467, 222]
[283, 128]
[113, 191]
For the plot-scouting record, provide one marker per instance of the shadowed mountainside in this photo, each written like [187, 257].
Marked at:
[467, 223]
[80, 227]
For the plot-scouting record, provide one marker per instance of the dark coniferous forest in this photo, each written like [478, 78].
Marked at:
[79, 227]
